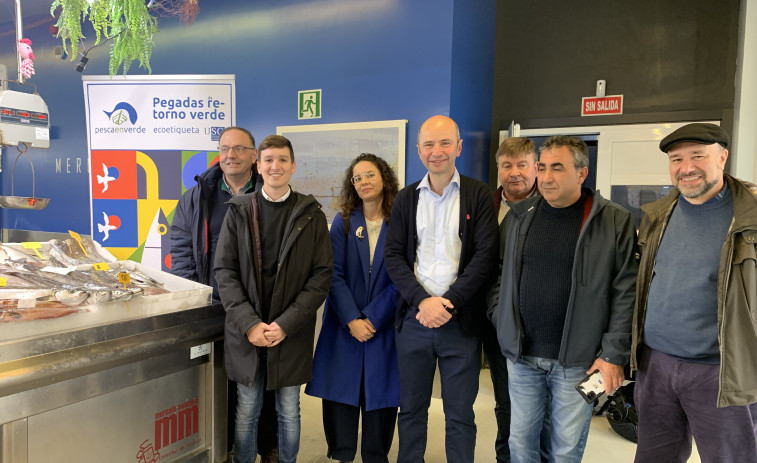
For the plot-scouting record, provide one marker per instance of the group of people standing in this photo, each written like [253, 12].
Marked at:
[417, 278]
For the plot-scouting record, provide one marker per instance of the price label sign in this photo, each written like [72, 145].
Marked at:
[101, 266]
[76, 236]
[3, 282]
[124, 278]
[34, 245]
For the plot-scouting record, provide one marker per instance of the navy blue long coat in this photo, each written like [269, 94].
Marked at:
[340, 360]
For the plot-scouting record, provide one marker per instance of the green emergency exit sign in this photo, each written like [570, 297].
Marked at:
[309, 104]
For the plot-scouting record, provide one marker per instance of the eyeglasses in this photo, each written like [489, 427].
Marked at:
[359, 178]
[239, 149]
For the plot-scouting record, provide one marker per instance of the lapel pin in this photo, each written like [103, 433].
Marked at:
[359, 232]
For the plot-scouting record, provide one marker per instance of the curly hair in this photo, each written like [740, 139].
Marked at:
[349, 199]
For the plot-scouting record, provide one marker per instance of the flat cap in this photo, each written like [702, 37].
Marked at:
[698, 132]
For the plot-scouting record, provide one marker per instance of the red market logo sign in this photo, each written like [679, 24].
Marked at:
[172, 425]
[596, 106]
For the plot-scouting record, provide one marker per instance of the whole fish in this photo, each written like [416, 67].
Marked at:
[53, 262]
[4, 254]
[91, 248]
[15, 254]
[71, 298]
[95, 293]
[104, 278]
[120, 294]
[75, 251]
[43, 310]
[98, 297]
[13, 281]
[152, 291]
[139, 278]
[59, 250]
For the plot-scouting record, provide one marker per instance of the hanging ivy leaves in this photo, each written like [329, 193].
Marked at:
[73, 13]
[127, 22]
[131, 27]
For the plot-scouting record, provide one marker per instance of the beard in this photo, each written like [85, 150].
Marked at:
[699, 190]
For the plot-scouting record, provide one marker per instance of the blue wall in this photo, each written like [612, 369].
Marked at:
[374, 60]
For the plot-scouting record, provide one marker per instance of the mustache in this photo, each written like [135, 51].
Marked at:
[691, 172]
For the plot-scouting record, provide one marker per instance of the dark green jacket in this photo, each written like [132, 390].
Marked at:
[737, 290]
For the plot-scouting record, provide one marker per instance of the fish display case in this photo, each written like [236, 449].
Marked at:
[134, 378]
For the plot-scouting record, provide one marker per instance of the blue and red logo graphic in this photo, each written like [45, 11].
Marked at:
[115, 222]
[109, 174]
[110, 222]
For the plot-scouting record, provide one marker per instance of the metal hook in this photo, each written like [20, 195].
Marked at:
[33, 199]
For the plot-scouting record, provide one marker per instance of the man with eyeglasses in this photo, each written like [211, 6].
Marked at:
[194, 234]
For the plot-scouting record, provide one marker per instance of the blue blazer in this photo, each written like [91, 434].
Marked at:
[341, 361]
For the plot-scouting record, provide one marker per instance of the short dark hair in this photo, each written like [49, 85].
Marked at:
[349, 199]
[276, 141]
[241, 129]
[578, 148]
[515, 146]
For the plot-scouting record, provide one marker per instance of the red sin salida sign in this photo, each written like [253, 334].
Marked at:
[596, 106]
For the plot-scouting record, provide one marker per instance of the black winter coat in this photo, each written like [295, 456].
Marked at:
[600, 308]
[302, 282]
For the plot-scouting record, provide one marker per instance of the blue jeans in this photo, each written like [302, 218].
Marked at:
[531, 380]
[249, 404]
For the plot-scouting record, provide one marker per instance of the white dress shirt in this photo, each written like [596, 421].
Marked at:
[439, 246]
[280, 200]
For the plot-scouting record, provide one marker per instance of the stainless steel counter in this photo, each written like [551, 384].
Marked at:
[139, 381]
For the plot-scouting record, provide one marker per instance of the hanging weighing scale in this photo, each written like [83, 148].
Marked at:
[24, 122]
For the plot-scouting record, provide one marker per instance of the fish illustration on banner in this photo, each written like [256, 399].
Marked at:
[106, 178]
[132, 190]
[148, 138]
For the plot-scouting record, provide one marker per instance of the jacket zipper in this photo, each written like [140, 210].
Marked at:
[574, 278]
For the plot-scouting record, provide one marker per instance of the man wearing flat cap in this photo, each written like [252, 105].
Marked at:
[695, 323]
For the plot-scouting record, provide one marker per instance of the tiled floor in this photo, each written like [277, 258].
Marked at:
[604, 446]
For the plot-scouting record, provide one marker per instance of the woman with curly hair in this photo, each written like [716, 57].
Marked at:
[355, 362]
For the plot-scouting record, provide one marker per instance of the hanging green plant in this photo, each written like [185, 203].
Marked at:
[127, 22]
[72, 14]
[131, 27]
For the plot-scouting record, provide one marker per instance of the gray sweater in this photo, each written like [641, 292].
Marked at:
[682, 309]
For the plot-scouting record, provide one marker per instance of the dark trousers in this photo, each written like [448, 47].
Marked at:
[498, 369]
[268, 425]
[459, 356]
[340, 424]
[676, 399]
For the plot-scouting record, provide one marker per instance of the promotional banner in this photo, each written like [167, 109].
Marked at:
[148, 137]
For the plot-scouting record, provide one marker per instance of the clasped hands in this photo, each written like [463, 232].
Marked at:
[433, 313]
[266, 335]
[361, 329]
